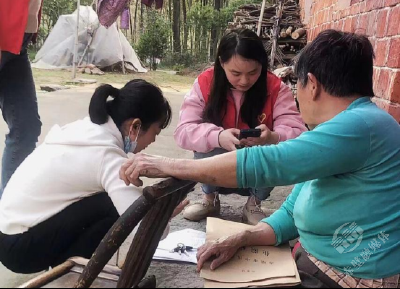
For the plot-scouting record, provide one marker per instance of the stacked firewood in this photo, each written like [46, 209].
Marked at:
[291, 33]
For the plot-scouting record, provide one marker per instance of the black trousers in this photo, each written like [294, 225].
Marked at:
[75, 232]
[311, 276]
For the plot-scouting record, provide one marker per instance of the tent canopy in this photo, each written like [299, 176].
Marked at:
[97, 45]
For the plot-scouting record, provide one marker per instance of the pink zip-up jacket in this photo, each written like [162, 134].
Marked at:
[195, 135]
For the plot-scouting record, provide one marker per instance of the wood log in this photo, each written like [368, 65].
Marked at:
[50, 276]
[283, 33]
[289, 30]
[299, 33]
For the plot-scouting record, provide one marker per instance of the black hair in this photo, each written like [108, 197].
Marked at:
[138, 99]
[248, 45]
[342, 62]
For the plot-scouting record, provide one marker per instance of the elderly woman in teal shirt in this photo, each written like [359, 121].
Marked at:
[346, 205]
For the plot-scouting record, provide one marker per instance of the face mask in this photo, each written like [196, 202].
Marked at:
[129, 145]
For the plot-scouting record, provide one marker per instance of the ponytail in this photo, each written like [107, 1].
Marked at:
[98, 105]
[137, 99]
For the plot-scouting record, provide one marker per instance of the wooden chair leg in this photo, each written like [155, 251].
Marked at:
[146, 240]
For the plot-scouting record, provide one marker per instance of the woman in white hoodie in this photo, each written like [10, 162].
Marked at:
[55, 206]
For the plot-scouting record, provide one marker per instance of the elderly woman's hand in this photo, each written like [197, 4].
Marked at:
[142, 165]
[221, 250]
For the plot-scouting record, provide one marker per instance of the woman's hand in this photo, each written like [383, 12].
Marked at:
[228, 139]
[143, 165]
[221, 250]
[264, 139]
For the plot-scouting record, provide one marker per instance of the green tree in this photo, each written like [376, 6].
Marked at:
[153, 43]
[53, 9]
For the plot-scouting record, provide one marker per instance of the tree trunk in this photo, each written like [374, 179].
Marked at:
[176, 25]
[185, 27]
[171, 40]
[141, 24]
[215, 33]
[135, 21]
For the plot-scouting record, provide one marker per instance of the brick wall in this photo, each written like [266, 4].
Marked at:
[380, 21]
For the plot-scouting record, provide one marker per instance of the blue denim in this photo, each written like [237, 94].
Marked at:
[18, 103]
[261, 194]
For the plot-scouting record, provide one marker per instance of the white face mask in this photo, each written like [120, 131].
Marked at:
[130, 146]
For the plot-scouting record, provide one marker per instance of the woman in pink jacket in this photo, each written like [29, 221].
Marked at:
[238, 93]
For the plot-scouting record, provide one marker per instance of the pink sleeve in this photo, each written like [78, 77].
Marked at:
[191, 133]
[287, 119]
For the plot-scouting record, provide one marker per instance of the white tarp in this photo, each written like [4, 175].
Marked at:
[104, 47]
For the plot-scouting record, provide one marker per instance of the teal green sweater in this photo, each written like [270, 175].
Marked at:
[346, 204]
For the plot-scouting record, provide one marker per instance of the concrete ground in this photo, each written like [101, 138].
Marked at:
[67, 106]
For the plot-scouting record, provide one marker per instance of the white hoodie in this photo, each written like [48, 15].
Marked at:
[74, 162]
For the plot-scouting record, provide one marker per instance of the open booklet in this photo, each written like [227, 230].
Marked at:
[265, 266]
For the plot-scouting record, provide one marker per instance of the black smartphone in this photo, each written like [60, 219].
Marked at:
[247, 133]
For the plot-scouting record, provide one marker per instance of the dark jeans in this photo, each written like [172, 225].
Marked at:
[75, 232]
[19, 106]
[261, 193]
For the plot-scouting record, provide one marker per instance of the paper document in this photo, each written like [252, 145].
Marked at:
[258, 266]
[188, 237]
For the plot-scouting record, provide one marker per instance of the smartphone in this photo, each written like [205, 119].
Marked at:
[247, 133]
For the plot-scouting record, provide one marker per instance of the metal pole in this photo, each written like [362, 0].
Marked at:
[261, 17]
[76, 40]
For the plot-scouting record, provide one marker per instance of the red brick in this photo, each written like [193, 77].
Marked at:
[363, 24]
[322, 20]
[374, 4]
[381, 49]
[328, 15]
[392, 108]
[391, 2]
[354, 23]
[355, 9]
[318, 5]
[371, 23]
[363, 7]
[370, 5]
[394, 53]
[373, 41]
[377, 71]
[381, 22]
[320, 17]
[394, 91]
[335, 15]
[347, 25]
[336, 25]
[341, 25]
[394, 22]
[327, 26]
[382, 87]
